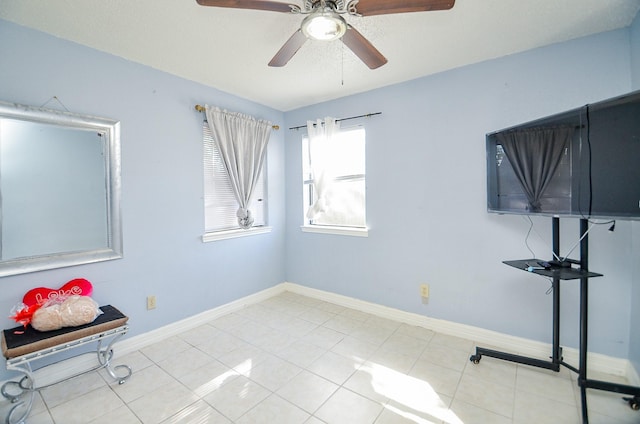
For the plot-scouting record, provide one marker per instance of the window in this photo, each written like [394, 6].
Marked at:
[334, 183]
[220, 204]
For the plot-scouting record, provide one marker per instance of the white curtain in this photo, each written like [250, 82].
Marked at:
[242, 141]
[320, 135]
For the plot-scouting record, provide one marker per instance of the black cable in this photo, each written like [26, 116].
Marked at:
[590, 170]
[526, 238]
[589, 167]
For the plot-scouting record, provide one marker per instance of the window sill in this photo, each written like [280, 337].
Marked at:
[340, 231]
[229, 234]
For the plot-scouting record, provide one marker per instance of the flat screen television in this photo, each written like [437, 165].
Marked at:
[582, 163]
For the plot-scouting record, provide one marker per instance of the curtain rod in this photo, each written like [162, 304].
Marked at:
[200, 108]
[368, 115]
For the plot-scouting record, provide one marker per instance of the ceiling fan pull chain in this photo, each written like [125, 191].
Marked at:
[342, 66]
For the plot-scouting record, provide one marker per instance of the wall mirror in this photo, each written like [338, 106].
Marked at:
[59, 189]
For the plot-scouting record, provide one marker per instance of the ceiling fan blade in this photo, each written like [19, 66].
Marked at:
[385, 7]
[363, 48]
[272, 6]
[289, 48]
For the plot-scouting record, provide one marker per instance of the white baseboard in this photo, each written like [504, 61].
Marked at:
[518, 345]
[142, 340]
[71, 366]
[632, 375]
[597, 362]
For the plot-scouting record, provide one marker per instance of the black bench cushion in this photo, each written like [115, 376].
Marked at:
[20, 341]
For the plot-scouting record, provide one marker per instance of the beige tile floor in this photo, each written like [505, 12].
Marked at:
[294, 359]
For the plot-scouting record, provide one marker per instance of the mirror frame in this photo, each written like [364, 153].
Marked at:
[110, 130]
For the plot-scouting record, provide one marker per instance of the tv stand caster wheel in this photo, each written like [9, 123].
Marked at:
[634, 402]
[475, 359]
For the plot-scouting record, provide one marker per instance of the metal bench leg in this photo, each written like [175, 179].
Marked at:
[17, 391]
[104, 358]
[21, 393]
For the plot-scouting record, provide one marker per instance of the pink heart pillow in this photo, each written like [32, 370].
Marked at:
[40, 295]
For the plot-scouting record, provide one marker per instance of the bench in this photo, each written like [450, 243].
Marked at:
[21, 346]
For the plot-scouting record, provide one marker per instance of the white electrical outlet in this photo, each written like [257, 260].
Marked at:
[151, 302]
[424, 290]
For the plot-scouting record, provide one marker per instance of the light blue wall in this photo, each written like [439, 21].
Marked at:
[161, 182]
[634, 351]
[426, 199]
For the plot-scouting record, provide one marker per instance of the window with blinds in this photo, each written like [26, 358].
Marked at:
[220, 205]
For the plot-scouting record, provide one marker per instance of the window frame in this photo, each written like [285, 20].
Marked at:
[307, 188]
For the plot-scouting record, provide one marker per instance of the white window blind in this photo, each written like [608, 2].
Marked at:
[220, 204]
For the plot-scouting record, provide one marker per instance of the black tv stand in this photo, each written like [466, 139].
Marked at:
[567, 269]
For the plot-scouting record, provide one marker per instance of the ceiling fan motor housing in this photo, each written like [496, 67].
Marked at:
[337, 5]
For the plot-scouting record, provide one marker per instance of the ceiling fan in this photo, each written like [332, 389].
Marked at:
[324, 22]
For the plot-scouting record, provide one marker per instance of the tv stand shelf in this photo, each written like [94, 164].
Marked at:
[558, 272]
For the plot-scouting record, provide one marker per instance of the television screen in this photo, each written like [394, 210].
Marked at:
[583, 163]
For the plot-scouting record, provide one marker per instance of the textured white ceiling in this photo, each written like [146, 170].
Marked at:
[229, 49]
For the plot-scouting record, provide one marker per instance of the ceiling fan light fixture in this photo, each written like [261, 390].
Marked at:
[324, 25]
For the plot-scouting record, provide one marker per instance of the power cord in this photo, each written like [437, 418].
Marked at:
[526, 240]
[559, 259]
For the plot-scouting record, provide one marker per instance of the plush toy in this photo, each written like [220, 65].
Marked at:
[50, 309]
[41, 295]
[70, 312]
